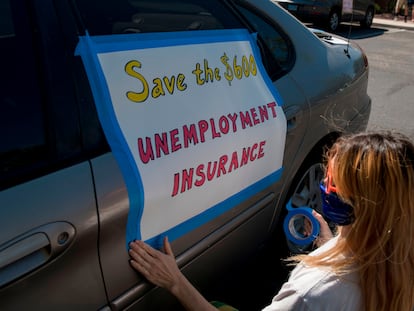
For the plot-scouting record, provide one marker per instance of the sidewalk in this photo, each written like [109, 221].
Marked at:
[387, 20]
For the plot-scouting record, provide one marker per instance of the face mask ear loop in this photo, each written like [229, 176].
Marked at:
[328, 184]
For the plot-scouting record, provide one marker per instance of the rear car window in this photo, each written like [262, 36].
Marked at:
[143, 16]
[128, 16]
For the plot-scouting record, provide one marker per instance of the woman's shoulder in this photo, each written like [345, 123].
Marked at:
[328, 245]
[318, 288]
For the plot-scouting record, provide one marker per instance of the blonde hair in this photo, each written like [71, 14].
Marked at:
[374, 173]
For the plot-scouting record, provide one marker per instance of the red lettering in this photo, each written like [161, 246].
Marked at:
[202, 176]
[190, 135]
[222, 161]
[245, 119]
[211, 172]
[174, 140]
[272, 106]
[264, 115]
[245, 156]
[224, 125]
[254, 116]
[187, 180]
[233, 118]
[203, 127]
[213, 129]
[234, 164]
[175, 184]
[147, 154]
[225, 164]
[252, 155]
[161, 144]
[260, 154]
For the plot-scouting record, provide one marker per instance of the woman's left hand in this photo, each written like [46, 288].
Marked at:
[157, 267]
[325, 233]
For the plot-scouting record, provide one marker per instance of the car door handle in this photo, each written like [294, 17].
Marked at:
[33, 249]
[293, 115]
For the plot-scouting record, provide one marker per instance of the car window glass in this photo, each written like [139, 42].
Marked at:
[22, 122]
[277, 44]
[129, 16]
[6, 22]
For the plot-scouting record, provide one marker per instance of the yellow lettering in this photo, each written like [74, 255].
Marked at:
[180, 82]
[157, 90]
[169, 84]
[136, 97]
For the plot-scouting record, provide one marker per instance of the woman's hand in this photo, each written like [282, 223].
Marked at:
[159, 268]
[325, 233]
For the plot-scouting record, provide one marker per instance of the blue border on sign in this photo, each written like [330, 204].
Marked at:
[215, 211]
[89, 48]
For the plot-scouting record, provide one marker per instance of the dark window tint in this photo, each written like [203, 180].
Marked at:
[22, 122]
[6, 22]
[127, 16]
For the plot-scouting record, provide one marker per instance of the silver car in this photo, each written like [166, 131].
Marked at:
[64, 200]
[330, 13]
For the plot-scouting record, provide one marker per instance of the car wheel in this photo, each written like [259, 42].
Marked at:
[334, 20]
[368, 19]
[305, 192]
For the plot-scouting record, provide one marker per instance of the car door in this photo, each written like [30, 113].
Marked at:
[124, 287]
[360, 8]
[48, 218]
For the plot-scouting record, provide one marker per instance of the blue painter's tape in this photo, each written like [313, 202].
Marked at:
[295, 222]
[88, 51]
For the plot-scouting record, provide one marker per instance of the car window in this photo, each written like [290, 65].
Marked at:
[141, 16]
[22, 122]
[275, 41]
[129, 16]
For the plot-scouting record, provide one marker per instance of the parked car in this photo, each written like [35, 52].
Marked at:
[330, 13]
[64, 198]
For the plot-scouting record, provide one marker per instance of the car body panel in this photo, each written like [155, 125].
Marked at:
[34, 208]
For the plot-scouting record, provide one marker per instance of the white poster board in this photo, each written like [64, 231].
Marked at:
[192, 119]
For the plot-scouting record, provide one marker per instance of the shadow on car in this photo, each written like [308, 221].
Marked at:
[353, 31]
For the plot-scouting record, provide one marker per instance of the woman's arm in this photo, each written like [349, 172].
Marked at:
[161, 269]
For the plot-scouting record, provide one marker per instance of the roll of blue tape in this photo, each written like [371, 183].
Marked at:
[300, 226]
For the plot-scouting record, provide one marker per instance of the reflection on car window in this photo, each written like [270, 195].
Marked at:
[6, 23]
[278, 45]
[21, 112]
[140, 16]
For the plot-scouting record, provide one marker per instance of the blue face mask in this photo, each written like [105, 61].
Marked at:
[334, 209]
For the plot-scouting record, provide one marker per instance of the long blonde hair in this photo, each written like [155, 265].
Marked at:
[374, 172]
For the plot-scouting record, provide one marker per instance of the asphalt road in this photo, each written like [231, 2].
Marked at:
[390, 54]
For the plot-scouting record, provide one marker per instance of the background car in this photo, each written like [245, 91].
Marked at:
[329, 13]
[63, 200]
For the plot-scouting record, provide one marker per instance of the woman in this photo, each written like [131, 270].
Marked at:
[369, 192]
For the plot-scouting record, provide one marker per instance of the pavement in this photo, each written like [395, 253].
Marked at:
[387, 20]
